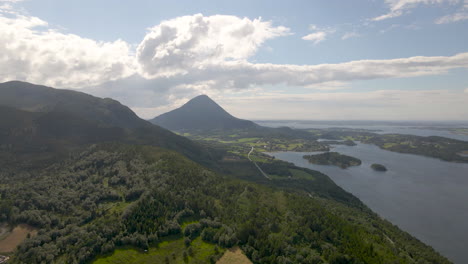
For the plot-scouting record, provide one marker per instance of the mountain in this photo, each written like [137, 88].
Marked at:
[201, 113]
[38, 98]
[38, 119]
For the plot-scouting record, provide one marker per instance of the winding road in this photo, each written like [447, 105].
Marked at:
[258, 167]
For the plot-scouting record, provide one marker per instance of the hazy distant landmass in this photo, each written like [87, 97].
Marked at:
[449, 129]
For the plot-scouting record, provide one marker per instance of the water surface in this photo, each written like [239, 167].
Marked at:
[426, 197]
[419, 129]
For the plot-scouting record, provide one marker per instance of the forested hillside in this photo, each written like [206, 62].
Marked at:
[39, 124]
[114, 195]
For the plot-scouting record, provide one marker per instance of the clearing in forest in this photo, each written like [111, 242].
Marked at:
[234, 256]
[15, 237]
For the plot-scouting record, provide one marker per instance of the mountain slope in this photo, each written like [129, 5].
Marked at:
[39, 119]
[118, 198]
[38, 98]
[201, 113]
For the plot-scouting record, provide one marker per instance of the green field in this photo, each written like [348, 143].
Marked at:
[299, 174]
[165, 252]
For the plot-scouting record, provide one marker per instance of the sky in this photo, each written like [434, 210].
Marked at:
[260, 60]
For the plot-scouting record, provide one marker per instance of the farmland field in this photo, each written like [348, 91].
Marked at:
[15, 237]
[234, 256]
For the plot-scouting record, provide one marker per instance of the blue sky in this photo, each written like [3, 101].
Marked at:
[292, 59]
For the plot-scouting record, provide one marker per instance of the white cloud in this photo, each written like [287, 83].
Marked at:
[392, 14]
[243, 74]
[460, 15]
[349, 35]
[180, 58]
[175, 46]
[148, 96]
[316, 37]
[31, 51]
[313, 27]
[319, 35]
[372, 105]
[191, 52]
[399, 7]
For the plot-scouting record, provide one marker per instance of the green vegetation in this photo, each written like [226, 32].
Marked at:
[378, 167]
[346, 142]
[333, 158]
[159, 191]
[262, 141]
[174, 251]
[437, 147]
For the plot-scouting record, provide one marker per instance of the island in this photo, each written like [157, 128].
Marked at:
[447, 149]
[333, 158]
[378, 167]
[336, 142]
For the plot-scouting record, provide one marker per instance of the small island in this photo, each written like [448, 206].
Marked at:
[333, 158]
[336, 142]
[378, 167]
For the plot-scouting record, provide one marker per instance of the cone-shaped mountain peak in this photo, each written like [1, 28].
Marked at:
[204, 104]
[200, 113]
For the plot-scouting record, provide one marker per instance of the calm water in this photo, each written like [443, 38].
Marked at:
[418, 129]
[424, 196]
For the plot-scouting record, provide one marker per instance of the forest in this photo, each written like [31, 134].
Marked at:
[113, 195]
[333, 158]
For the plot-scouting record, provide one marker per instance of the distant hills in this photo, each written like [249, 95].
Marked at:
[201, 113]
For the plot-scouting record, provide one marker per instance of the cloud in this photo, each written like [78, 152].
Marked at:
[392, 14]
[182, 57]
[460, 15]
[371, 105]
[33, 52]
[316, 37]
[319, 35]
[151, 96]
[349, 35]
[243, 74]
[190, 53]
[400, 7]
[175, 46]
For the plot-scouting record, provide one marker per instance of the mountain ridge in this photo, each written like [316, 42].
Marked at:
[51, 117]
[39, 98]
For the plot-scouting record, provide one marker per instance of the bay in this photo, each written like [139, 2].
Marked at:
[424, 196]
